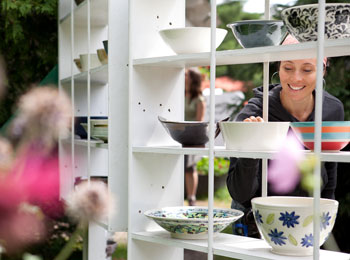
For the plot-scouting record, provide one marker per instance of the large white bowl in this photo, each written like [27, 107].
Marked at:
[301, 21]
[192, 222]
[254, 136]
[286, 223]
[94, 61]
[191, 39]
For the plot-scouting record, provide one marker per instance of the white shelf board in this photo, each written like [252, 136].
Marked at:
[171, 150]
[84, 142]
[98, 76]
[230, 246]
[221, 151]
[98, 14]
[333, 48]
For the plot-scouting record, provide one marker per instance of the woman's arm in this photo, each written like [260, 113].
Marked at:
[200, 110]
[242, 180]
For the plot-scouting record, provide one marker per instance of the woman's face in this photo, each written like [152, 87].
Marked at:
[298, 78]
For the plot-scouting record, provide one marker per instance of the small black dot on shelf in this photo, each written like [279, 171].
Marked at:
[170, 23]
[160, 105]
[127, 65]
[78, 110]
[139, 211]
[169, 109]
[139, 103]
[157, 16]
[163, 187]
[144, 110]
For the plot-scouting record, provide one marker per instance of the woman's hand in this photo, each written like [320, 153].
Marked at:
[253, 119]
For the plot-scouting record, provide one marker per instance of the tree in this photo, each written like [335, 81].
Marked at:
[28, 33]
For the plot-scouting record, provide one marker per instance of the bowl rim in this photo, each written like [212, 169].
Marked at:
[254, 123]
[324, 123]
[255, 21]
[164, 120]
[150, 211]
[255, 201]
[310, 6]
[190, 28]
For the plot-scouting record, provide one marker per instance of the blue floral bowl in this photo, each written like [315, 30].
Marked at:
[192, 222]
[286, 223]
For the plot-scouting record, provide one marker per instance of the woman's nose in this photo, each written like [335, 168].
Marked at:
[297, 76]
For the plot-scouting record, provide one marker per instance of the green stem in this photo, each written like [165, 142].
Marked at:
[69, 247]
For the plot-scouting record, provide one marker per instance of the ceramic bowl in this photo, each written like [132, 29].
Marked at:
[335, 134]
[78, 64]
[191, 39]
[301, 21]
[98, 128]
[187, 133]
[94, 61]
[105, 45]
[286, 223]
[102, 56]
[192, 222]
[258, 33]
[254, 136]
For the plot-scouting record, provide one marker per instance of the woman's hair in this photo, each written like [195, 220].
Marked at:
[195, 79]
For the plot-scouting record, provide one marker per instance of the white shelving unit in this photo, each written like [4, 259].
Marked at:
[156, 83]
[98, 92]
[144, 79]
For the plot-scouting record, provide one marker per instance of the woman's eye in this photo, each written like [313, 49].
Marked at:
[307, 71]
[287, 68]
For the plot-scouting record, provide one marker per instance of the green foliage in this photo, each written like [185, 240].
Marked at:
[221, 166]
[28, 30]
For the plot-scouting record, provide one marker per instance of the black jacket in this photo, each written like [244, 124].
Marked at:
[244, 177]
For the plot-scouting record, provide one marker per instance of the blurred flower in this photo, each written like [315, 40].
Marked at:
[91, 201]
[44, 114]
[283, 173]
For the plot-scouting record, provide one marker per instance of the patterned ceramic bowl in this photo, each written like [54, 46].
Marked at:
[192, 222]
[99, 128]
[258, 33]
[286, 223]
[335, 134]
[301, 21]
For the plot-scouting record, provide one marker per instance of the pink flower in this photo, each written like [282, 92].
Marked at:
[283, 173]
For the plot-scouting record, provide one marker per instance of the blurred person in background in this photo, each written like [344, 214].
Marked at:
[194, 111]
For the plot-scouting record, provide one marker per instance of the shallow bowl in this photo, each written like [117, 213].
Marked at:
[187, 133]
[98, 128]
[94, 61]
[102, 56]
[335, 134]
[286, 223]
[258, 33]
[192, 222]
[254, 136]
[301, 21]
[78, 64]
[191, 39]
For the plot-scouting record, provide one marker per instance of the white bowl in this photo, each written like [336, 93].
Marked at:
[192, 222]
[94, 61]
[254, 136]
[286, 223]
[191, 39]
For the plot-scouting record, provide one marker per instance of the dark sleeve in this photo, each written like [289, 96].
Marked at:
[243, 179]
[329, 177]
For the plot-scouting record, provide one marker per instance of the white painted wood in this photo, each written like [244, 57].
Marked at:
[170, 150]
[333, 48]
[238, 247]
[118, 96]
[97, 242]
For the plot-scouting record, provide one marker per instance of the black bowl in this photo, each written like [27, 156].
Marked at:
[187, 133]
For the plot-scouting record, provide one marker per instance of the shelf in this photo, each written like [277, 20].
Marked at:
[98, 14]
[230, 246]
[333, 48]
[171, 150]
[84, 142]
[98, 77]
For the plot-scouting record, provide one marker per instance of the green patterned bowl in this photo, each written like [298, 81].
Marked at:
[192, 222]
[286, 223]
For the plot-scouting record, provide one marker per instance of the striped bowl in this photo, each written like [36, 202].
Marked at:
[335, 134]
